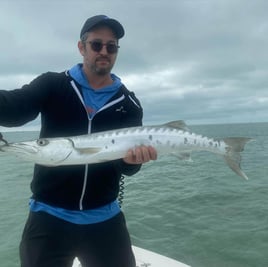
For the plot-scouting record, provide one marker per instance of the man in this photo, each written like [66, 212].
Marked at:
[73, 209]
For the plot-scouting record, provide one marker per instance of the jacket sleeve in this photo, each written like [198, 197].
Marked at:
[20, 106]
[130, 169]
[133, 118]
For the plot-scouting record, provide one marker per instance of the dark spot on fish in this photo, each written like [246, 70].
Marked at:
[113, 141]
[210, 143]
[185, 140]
[150, 137]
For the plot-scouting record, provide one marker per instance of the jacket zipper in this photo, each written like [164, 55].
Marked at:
[89, 131]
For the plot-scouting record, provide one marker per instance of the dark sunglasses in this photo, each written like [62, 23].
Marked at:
[97, 46]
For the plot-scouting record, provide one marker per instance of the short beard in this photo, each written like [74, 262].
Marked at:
[101, 71]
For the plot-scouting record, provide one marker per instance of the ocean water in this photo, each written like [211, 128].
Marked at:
[200, 212]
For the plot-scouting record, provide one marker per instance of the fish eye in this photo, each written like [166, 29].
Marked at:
[42, 142]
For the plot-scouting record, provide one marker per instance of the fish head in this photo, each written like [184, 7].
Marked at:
[44, 151]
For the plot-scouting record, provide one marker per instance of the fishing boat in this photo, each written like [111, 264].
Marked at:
[146, 258]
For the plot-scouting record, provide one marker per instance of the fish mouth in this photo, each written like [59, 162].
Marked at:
[20, 148]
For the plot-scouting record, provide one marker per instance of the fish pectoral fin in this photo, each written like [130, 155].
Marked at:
[3, 140]
[88, 150]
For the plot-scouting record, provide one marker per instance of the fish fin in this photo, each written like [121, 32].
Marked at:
[186, 156]
[3, 140]
[180, 124]
[233, 157]
[85, 150]
[88, 150]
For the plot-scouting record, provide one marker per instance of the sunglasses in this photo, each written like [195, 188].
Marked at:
[97, 46]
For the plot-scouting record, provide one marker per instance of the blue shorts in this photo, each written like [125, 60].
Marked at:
[50, 241]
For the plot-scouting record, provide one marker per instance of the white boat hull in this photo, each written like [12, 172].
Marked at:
[146, 258]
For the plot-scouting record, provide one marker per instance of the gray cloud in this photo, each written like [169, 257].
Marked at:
[202, 61]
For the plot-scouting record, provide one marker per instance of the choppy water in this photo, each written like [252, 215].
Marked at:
[200, 213]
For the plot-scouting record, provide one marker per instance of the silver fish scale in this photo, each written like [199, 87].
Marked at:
[167, 137]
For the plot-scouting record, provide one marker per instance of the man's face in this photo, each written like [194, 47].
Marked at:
[97, 59]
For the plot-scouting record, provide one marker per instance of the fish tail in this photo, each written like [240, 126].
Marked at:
[232, 156]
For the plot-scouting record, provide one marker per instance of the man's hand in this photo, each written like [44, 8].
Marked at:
[140, 155]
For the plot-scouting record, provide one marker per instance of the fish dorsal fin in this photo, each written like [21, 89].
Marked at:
[180, 125]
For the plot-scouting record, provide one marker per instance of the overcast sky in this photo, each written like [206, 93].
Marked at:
[203, 61]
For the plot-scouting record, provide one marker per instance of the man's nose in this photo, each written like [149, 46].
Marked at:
[103, 50]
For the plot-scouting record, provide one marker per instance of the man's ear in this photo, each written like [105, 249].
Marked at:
[81, 48]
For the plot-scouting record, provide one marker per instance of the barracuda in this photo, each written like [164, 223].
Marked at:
[171, 138]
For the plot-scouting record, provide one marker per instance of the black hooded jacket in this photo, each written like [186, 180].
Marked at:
[59, 101]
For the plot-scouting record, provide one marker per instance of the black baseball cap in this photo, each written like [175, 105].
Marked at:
[103, 20]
